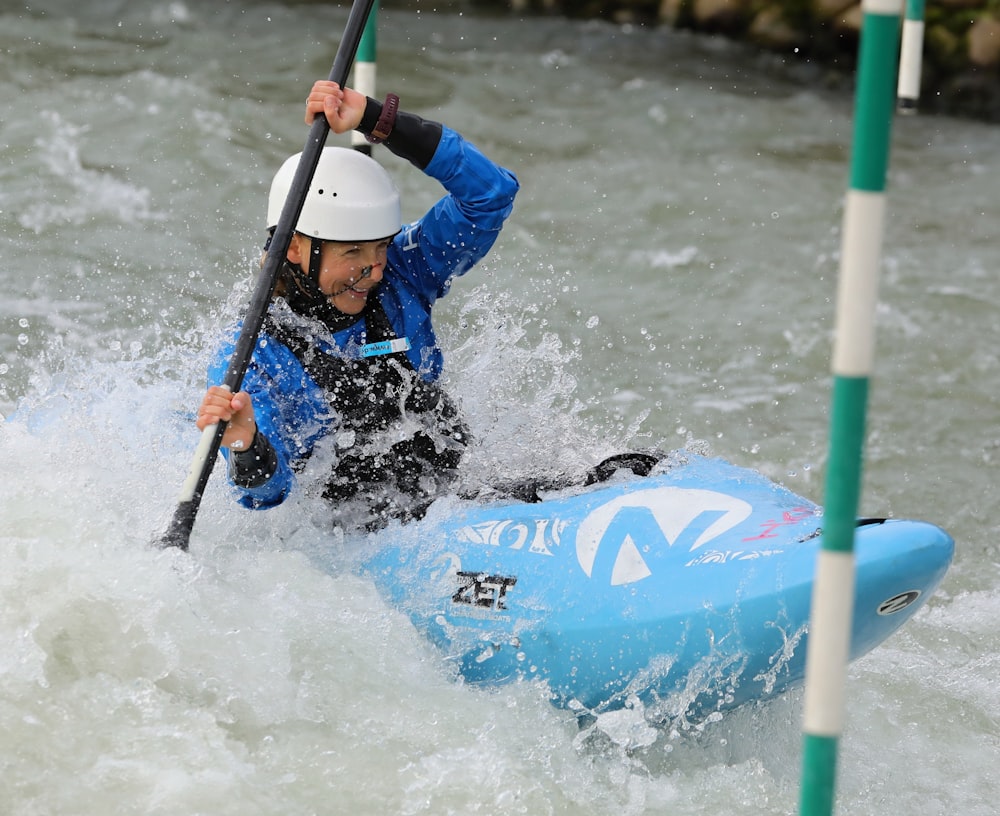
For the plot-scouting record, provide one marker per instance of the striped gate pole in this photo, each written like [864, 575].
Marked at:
[828, 648]
[364, 73]
[911, 57]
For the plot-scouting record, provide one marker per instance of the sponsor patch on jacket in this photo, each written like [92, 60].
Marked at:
[385, 347]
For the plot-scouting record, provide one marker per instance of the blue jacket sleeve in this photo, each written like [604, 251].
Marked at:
[462, 227]
[289, 409]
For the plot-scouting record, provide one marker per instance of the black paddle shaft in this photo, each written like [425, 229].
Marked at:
[179, 532]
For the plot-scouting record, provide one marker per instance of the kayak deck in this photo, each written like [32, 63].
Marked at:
[690, 588]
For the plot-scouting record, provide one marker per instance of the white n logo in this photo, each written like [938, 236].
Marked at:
[609, 539]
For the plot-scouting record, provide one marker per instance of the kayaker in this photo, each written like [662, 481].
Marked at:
[345, 374]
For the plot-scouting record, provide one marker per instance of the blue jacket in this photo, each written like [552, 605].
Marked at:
[291, 409]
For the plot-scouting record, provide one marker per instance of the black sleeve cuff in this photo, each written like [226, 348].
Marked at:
[254, 466]
[412, 138]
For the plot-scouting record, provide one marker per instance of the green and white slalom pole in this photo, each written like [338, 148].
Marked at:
[911, 57]
[364, 73]
[828, 649]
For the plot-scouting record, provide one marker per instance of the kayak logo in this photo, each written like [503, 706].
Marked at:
[606, 539]
[482, 590]
[898, 603]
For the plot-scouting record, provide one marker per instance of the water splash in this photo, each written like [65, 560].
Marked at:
[86, 192]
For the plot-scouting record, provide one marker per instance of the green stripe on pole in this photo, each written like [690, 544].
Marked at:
[915, 9]
[875, 101]
[819, 775]
[843, 476]
[367, 47]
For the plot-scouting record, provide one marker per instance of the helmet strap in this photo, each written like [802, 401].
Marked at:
[315, 259]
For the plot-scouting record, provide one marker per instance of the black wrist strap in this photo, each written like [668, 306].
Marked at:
[255, 465]
[412, 138]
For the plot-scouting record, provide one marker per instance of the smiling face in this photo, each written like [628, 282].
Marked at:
[348, 272]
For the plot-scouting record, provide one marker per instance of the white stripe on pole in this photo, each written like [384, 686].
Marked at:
[364, 82]
[857, 291]
[910, 60]
[826, 663]
[890, 7]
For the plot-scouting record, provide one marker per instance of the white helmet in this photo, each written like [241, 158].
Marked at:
[351, 198]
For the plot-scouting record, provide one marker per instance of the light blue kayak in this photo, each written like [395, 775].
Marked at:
[690, 585]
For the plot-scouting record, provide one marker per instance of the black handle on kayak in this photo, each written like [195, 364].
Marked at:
[179, 532]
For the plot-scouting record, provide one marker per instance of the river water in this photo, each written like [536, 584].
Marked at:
[666, 279]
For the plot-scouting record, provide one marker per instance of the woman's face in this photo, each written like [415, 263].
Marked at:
[348, 271]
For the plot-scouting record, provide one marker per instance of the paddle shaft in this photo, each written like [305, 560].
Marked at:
[179, 532]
